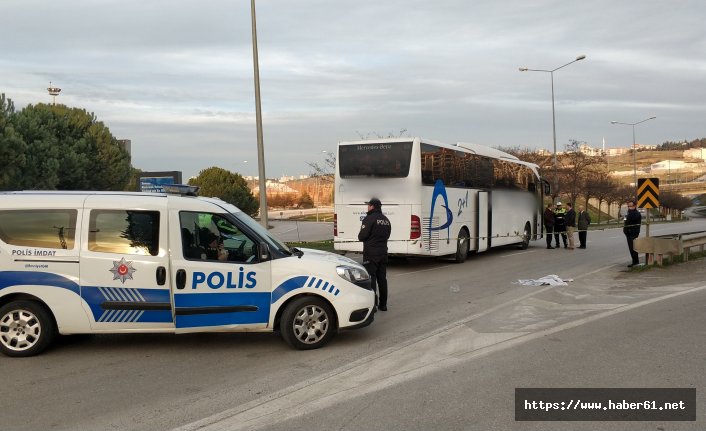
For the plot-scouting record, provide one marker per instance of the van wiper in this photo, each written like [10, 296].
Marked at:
[298, 253]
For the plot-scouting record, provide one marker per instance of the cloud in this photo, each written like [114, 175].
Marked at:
[176, 77]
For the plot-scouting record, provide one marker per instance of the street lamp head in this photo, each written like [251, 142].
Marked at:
[523, 69]
[580, 57]
[613, 122]
[652, 118]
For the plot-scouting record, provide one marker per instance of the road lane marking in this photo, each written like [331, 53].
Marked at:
[438, 351]
[519, 253]
[421, 270]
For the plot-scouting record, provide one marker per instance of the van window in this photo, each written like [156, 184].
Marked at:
[39, 228]
[124, 232]
[212, 237]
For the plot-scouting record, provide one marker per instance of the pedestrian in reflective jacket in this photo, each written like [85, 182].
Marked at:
[374, 232]
[560, 224]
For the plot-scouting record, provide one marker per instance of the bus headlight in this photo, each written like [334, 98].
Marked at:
[353, 274]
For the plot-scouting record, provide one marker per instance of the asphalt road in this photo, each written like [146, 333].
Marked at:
[456, 341]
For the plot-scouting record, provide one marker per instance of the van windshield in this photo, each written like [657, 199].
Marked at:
[261, 231]
[380, 160]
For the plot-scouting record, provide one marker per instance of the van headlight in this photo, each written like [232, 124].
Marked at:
[353, 274]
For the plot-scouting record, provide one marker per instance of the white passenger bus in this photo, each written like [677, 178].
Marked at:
[441, 199]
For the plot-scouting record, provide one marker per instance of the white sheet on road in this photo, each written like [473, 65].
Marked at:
[547, 280]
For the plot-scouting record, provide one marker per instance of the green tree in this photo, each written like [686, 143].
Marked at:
[12, 148]
[68, 149]
[305, 201]
[228, 186]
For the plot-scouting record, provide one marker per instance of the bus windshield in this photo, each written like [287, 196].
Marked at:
[385, 160]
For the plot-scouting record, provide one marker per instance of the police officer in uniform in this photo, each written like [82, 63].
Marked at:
[560, 225]
[374, 232]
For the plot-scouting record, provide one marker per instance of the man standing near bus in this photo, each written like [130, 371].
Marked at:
[549, 225]
[570, 220]
[374, 232]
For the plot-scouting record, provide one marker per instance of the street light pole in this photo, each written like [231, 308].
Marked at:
[258, 120]
[634, 148]
[317, 197]
[551, 73]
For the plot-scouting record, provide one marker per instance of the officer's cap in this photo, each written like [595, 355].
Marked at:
[374, 202]
[558, 203]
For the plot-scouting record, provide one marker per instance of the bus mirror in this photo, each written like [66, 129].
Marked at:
[547, 188]
[263, 251]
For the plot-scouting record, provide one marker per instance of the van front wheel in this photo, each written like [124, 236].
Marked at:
[307, 323]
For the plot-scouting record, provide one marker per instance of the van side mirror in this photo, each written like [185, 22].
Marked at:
[263, 250]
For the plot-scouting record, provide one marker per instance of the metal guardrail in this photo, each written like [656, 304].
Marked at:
[656, 247]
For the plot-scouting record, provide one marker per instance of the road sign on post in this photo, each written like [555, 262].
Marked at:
[648, 193]
[648, 197]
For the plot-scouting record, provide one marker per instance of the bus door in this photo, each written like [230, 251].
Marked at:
[218, 279]
[481, 236]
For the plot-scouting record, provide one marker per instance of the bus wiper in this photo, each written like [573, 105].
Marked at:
[298, 253]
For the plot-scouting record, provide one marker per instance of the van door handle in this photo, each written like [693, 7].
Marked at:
[161, 275]
[180, 279]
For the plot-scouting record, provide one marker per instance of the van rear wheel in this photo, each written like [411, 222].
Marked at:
[26, 329]
[308, 323]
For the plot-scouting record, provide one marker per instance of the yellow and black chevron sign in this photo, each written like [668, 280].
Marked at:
[648, 192]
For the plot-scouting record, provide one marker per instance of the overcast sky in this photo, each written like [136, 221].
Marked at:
[176, 76]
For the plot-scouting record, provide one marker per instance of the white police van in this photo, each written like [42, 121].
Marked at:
[120, 262]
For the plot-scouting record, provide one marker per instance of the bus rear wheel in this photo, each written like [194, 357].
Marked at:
[462, 244]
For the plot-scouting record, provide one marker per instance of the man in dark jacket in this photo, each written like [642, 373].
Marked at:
[631, 229]
[583, 223]
[570, 219]
[374, 232]
[549, 225]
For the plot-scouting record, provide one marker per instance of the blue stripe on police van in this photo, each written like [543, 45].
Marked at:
[24, 278]
[95, 296]
[301, 282]
[202, 301]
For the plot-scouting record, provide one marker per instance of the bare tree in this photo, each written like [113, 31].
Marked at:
[599, 186]
[674, 201]
[324, 171]
[575, 168]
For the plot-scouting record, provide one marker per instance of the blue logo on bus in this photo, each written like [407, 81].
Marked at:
[440, 190]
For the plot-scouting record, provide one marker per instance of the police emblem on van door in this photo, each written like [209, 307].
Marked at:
[122, 270]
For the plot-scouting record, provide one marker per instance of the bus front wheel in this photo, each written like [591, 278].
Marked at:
[526, 235]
